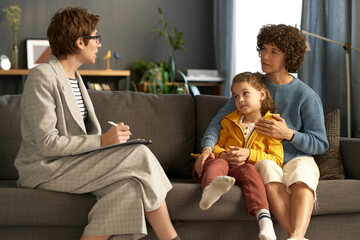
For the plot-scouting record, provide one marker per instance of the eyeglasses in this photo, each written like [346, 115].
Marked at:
[98, 38]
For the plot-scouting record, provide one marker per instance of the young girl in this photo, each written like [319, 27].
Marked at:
[239, 147]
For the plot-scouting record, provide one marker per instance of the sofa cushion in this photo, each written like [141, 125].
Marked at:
[330, 163]
[10, 135]
[183, 204]
[207, 107]
[334, 197]
[166, 119]
[338, 197]
[350, 152]
[24, 207]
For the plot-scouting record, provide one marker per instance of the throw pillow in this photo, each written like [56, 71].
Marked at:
[330, 163]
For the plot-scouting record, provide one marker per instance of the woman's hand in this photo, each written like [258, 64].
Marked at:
[116, 135]
[237, 156]
[200, 161]
[276, 129]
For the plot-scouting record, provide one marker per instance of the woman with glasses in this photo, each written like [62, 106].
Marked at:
[58, 120]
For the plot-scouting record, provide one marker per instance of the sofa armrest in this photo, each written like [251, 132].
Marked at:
[350, 153]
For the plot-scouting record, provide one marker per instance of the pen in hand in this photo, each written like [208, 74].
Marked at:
[112, 123]
[115, 125]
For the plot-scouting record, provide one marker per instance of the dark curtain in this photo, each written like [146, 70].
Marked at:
[223, 39]
[325, 66]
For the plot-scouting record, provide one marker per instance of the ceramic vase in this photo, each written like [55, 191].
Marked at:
[14, 57]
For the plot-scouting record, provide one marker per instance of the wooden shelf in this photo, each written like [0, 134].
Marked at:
[82, 72]
[14, 72]
[143, 87]
[91, 74]
[110, 73]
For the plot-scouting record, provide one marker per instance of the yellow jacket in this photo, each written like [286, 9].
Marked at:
[261, 146]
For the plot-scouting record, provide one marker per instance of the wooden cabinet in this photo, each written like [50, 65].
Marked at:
[210, 88]
[207, 85]
[116, 79]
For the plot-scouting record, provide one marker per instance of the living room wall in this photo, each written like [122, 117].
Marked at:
[125, 27]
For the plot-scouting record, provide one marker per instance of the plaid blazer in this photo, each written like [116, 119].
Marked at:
[52, 127]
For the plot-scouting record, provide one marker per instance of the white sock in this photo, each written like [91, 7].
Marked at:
[266, 226]
[215, 190]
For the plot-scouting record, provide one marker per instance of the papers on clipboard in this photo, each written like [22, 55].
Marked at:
[134, 141]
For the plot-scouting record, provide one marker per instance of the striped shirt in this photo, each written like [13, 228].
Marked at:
[76, 90]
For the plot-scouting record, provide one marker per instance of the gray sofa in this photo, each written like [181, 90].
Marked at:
[175, 124]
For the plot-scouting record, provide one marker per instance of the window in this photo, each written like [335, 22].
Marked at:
[250, 16]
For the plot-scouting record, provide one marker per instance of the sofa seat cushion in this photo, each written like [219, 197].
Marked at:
[338, 197]
[183, 204]
[31, 207]
[334, 197]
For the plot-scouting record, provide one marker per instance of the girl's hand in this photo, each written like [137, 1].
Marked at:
[200, 161]
[116, 135]
[276, 129]
[237, 156]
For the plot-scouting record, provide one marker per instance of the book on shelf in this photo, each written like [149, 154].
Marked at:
[98, 86]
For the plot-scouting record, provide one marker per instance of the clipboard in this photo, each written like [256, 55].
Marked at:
[130, 142]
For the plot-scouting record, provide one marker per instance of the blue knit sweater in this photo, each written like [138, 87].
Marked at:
[302, 110]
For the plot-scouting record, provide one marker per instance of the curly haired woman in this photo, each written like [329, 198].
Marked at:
[291, 189]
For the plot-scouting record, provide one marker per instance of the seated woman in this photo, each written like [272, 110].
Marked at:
[291, 189]
[58, 120]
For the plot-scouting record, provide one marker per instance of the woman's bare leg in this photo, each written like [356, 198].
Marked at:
[301, 206]
[160, 222]
[279, 201]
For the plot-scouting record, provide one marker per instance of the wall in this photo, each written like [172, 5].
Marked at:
[125, 27]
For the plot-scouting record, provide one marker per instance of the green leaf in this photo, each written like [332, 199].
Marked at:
[134, 86]
[185, 80]
[175, 40]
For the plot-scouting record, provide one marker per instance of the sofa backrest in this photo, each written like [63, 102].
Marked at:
[10, 135]
[175, 124]
[166, 119]
[207, 107]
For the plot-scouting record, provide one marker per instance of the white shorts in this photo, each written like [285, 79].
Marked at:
[297, 170]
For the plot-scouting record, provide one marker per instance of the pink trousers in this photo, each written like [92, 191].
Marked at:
[246, 174]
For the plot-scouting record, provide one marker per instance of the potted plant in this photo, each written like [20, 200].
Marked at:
[161, 77]
[13, 14]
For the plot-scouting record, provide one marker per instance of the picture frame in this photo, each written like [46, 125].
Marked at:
[37, 51]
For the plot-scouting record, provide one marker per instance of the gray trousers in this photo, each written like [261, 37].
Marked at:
[127, 181]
